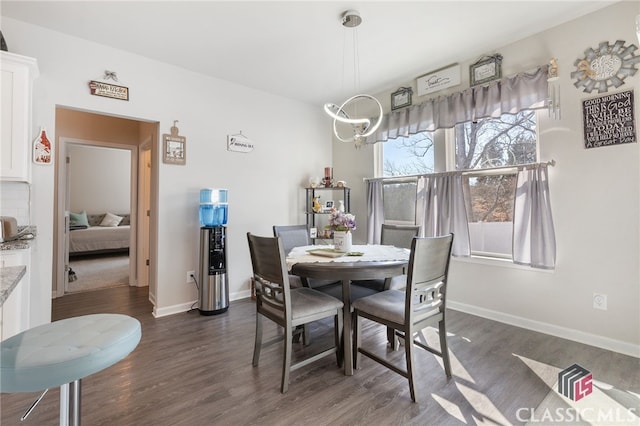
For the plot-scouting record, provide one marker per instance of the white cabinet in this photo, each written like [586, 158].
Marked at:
[17, 74]
[16, 310]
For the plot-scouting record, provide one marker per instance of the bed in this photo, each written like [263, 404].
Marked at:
[97, 235]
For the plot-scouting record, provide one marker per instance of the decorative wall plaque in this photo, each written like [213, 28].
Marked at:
[605, 67]
[175, 147]
[609, 120]
[107, 90]
[438, 80]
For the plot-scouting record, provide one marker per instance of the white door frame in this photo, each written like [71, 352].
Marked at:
[61, 248]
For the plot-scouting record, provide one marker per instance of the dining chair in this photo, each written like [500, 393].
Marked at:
[408, 312]
[296, 236]
[393, 235]
[287, 307]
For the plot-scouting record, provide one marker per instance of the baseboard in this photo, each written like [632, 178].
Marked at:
[554, 330]
[184, 307]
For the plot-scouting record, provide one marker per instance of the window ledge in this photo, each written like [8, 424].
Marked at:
[502, 263]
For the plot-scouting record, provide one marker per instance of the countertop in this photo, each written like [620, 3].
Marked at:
[10, 276]
[23, 243]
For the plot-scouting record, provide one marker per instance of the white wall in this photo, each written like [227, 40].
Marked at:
[99, 179]
[265, 186]
[595, 201]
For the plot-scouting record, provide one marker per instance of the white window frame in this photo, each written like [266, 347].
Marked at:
[444, 160]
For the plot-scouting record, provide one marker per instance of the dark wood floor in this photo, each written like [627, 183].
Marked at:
[196, 370]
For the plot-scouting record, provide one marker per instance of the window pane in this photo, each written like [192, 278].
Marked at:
[493, 142]
[399, 202]
[496, 142]
[408, 156]
[490, 212]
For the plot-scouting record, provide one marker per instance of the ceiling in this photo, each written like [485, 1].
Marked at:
[295, 49]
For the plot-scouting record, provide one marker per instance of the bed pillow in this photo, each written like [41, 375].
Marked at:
[111, 219]
[78, 220]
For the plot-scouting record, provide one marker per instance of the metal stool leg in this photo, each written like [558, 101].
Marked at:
[70, 404]
[74, 403]
[64, 405]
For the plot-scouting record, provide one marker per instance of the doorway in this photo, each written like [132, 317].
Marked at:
[86, 132]
[99, 197]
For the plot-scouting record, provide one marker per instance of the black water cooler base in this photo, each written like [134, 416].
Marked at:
[216, 312]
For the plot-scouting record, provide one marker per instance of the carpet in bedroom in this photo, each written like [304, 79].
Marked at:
[97, 272]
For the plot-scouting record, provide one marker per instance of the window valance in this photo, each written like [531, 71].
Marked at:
[506, 96]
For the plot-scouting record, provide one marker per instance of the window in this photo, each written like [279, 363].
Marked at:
[402, 157]
[480, 148]
[485, 145]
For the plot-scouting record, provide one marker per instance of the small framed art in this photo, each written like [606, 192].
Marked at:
[485, 70]
[174, 147]
[401, 98]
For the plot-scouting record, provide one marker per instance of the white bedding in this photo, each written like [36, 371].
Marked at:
[96, 238]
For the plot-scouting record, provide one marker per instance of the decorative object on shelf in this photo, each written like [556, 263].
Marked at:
[174, 147]
[239, 143]
[438, 80]
[327, 181]
[605, 67]
[609, 120]
[486, 69]
[316, 207]
[341, 206]
[341, 184]
[42, 148]
[401, 98]
[553, 82]
[354, 129]
[98, 88]
[328, 206]
[314, 182]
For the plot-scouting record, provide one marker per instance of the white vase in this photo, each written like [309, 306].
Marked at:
[342, 241]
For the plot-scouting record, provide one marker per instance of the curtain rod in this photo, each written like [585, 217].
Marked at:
[551, 163]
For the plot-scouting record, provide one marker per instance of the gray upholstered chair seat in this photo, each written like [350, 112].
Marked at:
[306, 302]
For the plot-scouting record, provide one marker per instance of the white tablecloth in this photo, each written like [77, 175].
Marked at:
[372, 253]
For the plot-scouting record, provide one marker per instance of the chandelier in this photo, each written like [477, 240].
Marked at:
[349, 124]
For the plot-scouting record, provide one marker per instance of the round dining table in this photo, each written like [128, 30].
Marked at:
[391, 261]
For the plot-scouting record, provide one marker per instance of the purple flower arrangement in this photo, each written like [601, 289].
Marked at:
[340, 221]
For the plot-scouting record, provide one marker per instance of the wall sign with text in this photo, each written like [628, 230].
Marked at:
[438, 80]
[609, 120]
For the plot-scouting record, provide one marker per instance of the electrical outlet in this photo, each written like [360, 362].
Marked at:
[189, 276]
[600, 301]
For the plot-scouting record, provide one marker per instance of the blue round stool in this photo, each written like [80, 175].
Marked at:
[63, 352]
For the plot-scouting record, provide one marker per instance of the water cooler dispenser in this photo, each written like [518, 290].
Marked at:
[213, 297]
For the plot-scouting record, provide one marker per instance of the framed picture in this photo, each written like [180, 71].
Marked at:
[401, 98]
[174, 149]
[485, 70]
[328, 205]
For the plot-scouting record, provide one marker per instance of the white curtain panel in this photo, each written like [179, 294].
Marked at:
[508, 95]
[534, 240]
[375, 211]
[440, 209]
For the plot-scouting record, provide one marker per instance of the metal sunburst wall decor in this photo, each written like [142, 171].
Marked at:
[605, 67]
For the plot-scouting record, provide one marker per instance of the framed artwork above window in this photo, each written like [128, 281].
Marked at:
[485, 70]
[401, 98]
